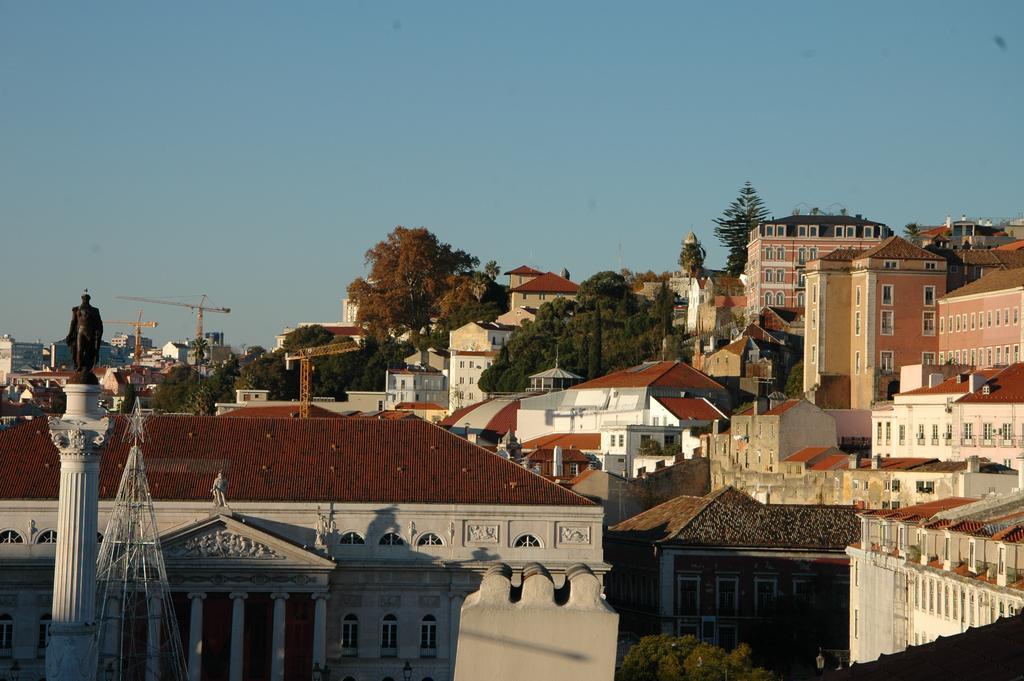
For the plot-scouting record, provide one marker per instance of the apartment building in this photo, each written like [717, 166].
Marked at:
[869, 312]
[979, 324]
[474, 347]
[779, 251]
[532, 288]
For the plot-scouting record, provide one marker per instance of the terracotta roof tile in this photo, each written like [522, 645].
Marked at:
[524, 269]
[997, 280]
[690, 408]
[549, 282]
[1012, 246]
[951, 386]
[408, 406]
[806, 454]
[584, 441]
[548, 454]
[1006, 386]
[775, 411]
[899, 248]
[660, 374]
[339, 460]
[280, 411]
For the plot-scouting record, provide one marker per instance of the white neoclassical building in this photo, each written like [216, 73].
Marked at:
[349, 543]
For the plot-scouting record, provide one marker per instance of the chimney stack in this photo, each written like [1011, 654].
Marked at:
[556, 461]
[854, 461]
[876, 462]
[760, 406]
[934, 380]
[976, 381]
[973, 464]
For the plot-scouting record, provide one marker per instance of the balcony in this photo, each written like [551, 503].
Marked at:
[935, 441]
[967, 441]
[920, 440]
[987, 442]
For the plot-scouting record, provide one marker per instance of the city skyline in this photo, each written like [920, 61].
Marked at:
[255, 153]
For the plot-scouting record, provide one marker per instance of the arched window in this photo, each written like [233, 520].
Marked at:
[350, 635]
[428, 636]
[768, 298]
[391, 539]
[389, 636]
[351, 538]
[44, 635]
[526, 541]
[47, 537]
[6, 634]
[429, 539]
[780, 299]
[11, 537]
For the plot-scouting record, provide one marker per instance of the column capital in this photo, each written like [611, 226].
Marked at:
[238, 594]
[197, 594]
[320, 596]
[279, 595]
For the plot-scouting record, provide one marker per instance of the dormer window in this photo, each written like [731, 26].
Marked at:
[891, 264]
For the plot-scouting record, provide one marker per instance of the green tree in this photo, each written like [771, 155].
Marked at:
[198, 348]
[492, 270]
[911, 229]
[222, 381]
[128, 403]
[200, 401]
[646, 660]
[795, 381]
[734, 227]
[172, 394]
[594, 358]
[691, 256]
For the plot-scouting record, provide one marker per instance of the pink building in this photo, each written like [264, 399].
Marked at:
[778, 250]
[979, 324]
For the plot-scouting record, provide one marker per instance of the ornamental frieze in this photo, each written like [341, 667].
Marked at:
[222, 544]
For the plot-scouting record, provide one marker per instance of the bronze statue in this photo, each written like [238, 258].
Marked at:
[84, 338]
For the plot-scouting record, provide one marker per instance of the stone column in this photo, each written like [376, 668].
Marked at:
[454, 615]
[195, 638]
[78, 434]
[237, 635]
[153, 640]
[320, 628]
[277, 642]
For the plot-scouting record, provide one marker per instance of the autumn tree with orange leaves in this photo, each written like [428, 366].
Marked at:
[412, 277]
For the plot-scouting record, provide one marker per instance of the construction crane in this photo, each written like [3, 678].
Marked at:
[138, 324]
[199, 307]
[305, 359]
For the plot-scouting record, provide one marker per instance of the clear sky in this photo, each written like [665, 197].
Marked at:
[254, 151]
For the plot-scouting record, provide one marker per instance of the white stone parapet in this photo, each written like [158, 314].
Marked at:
[79, 436]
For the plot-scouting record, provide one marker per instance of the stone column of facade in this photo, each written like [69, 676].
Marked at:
[454, 614]
[320, 628]
[237, 635]
[277, 642]
[195, 638]
[78, 434]
[153, 640]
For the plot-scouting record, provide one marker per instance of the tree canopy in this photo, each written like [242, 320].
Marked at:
[684, 658]
[412, 273]
[733, 229]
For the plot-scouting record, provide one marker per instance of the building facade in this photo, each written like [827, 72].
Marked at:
[779, 250]
[19, 356]
[979, 324]
[414, 383]
[351, 540]
[870, 312]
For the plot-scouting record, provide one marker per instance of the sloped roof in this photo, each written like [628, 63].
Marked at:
[899, 248]
[950, 386]
[846, 253]
[997, 280]
[777, 410]
[809, 453]
[920, 511]
[549, 282]
[728, 517]
[1012, 246]
[556, 372]
[524, 269]
[584, 441]
[690, 408]
[344, 331]
[329, 460]
[785, 314]
[287, 411]
[492, 417]
[1007, 386]
[661, 374]
[430, 406]
[569, 455]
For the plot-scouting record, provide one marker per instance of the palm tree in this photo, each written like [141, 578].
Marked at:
[198, 347]
[691, 257]
[492, 270]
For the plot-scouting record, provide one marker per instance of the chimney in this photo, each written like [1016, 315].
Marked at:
[976, 381]
[854, 461]
[760, 406]
[973, 464]
[876, 462]
[714, 427]
[934, 380]
[556, 461]
[775, 399]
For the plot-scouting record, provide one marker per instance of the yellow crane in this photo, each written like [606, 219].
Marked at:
[138, 324]
[305, 359]
[199, 307]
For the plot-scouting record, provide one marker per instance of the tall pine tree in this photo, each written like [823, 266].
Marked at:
[733, 228]
[594, 360]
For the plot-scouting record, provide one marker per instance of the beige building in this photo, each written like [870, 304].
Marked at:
[935, 569]
[531, 288]
[479, 336]
[869, 312]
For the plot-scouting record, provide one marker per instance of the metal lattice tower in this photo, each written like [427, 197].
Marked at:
[137, 637]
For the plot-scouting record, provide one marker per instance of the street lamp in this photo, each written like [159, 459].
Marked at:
[407, 671]
[819, 661]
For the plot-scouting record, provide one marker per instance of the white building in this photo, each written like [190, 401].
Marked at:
[935, 569]
[19, 356]
[474, 347]
[176, 351]
[357, 537]
[637, 412]
[414, 384]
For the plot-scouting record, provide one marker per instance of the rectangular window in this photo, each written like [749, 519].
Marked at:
[765, 596]
[929, 296]
[891, 264]
[887, 294]
[856, 362]
[727, 589]
[928, 323]
[942, 325]
[886, 363]
[928, 358]
[888, 322]
[349, 636]
[856, 323]
[930, 266]
[689, 596]
[973, 320]
[428, 637]
[389, 638]
[858, 295]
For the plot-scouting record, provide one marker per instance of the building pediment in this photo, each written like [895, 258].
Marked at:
[227, 540]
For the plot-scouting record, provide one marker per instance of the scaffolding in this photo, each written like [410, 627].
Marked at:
[137, 637]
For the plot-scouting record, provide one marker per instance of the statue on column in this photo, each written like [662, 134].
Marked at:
[84, 339]
[219, 490]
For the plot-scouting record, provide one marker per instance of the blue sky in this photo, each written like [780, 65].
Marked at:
[254, 151]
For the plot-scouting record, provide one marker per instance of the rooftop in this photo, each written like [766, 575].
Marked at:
[996, 280]
[524, 269]
[690, 408]
[807, 219]
[659, 374]
[549, 282]
[584, 441]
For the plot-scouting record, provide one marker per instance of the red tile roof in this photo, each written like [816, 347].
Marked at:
[774, 411]
[548, 454]
[921, 511]
[584, 441]
[1012, 246]
[280, 411]
[499, 423]
[996, 280]
[1006, 386]
[549, 282]
[524, 269]
[896, 462]
[831, 462]
[899, 248]
[660, 374]
[950, 386]
[806, 454]
[329, 460]
[427, 406]
[690, 408]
